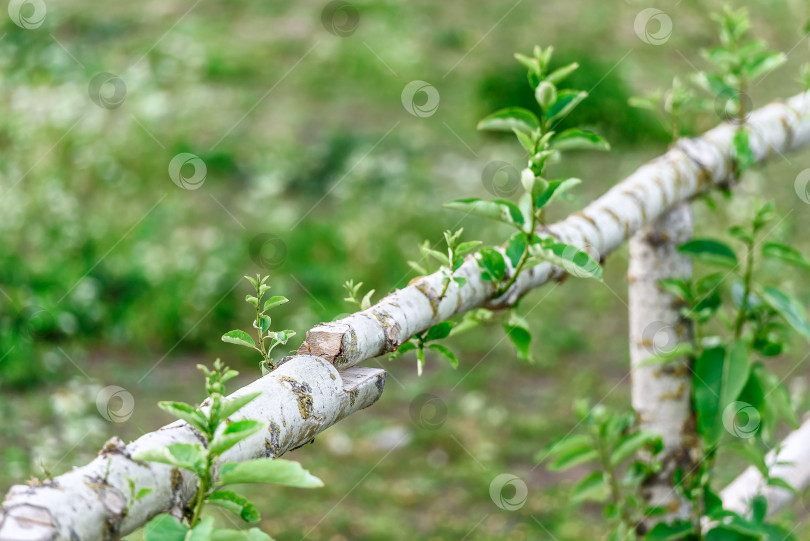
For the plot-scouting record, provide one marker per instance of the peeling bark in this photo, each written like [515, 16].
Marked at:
[691, 167]
[661, 393]
[790, 464]
[298, 400]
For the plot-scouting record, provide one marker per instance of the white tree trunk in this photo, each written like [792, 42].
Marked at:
[791, 463]
[70, 508]
[661, 393]
[298, 400]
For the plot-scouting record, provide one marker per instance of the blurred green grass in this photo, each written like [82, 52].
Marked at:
[109, 267]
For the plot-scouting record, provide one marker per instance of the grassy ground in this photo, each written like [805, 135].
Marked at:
[112, 275]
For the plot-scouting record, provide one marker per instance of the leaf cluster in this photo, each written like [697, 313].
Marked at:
[266, 339]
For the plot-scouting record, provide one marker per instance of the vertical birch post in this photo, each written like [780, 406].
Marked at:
[661, 393]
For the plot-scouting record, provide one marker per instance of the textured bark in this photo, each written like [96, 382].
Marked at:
[791, 464]
[691, 167]
[299, 400]
[661, 393]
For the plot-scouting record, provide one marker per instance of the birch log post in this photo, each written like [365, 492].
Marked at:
[74, 511]
[661, 393]
[791, 463]
[298, 400]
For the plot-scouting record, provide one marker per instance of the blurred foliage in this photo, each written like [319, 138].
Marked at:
[110, 268]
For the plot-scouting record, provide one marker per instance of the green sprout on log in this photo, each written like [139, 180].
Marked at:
[544, 145]
[261, 325]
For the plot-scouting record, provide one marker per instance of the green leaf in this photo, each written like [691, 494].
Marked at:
[529, 63]
[790, 310]
[567, 100]
[188, 456]
[252, 534]
[233, 434]
[202, 531]
[275, 471]
[492, 264]
[569, 452]
[574, 458]
[281, 337]
[591, 488]
[741, 234]
[240, 338]
[466, 247]
[524, 140]
[736, 369]
[556, 188]
[742, 151]
[164, 527]
[272, 302]
[439, 331]
[187, 413]
[265, 324]
[509, 119]
[711, 251]
[774, 250]
[515, 248]
[559, 74]
[501, 210]
[437, 255]
[764, 63]
[643, 103]
[418, 267]
[142, 493]
[570, 258]
[707, 381]
[781, 483]
[579, 139]
[520, 336]
[765, 214]
[235, 503]
[446, 352]
[629, 445]
[231, 406]
[673, 531]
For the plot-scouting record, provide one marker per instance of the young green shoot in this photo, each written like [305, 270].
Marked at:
[450, 262]
[537, 135]
[266, 340]
[354, 296]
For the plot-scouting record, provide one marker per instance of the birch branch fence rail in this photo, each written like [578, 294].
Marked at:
[321, 384]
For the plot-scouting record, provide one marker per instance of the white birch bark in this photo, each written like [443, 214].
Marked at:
[298, 400]
[691, 167]
[661, 393]
[789, 462]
